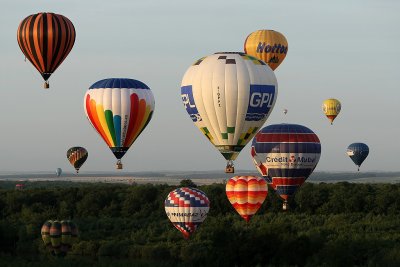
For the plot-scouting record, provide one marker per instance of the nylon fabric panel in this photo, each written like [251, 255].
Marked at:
[231, 93]
[194, 80]
[204, 86]
[243, 81]
[100, 110]
[125, 103]
[116, 112]
[219, 96]
[108, 113]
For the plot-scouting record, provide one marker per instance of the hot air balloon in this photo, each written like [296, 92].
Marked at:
[77, 156]
[246, 194]
[268, 45]
[286, 154]
[285, 111]
[46, 40]
[229, 96]
[58, 236]
[358, 152]
[58, 172]
[187, 208]
[119, 110]
[331, 108]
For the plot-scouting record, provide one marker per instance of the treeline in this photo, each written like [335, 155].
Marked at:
[339, 224]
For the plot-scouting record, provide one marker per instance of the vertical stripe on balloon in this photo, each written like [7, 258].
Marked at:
[133, 118]
[93, 118]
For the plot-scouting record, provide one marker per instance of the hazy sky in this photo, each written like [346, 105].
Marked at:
[344, 49]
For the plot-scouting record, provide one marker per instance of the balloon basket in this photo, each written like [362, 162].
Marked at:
[46, 85]
[229, 169]
[285, 206]
[118, 166]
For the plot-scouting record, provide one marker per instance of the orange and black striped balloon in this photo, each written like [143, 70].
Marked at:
[77, 156]
[46, 39]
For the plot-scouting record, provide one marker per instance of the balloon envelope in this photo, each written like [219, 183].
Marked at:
[358, 152]
[229, 96]
[268, 45]
[58, 236]
[331, 108]
[119, 109]
[46, 40]
[58, 172]
[246, 194]
[77, 156]
[187, 208]
[286, 154]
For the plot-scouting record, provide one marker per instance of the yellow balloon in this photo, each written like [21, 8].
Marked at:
[331, 108]
[268, 45]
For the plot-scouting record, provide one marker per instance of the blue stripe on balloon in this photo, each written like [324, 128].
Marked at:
[119, 83]
[286, 128]
[117, 127]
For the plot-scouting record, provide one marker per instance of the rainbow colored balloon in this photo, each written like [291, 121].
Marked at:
[246, 194]
[119, 110]
[187, 208]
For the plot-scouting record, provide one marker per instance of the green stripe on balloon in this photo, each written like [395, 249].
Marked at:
[110, 124]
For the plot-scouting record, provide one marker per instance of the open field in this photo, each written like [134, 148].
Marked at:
[200, 178]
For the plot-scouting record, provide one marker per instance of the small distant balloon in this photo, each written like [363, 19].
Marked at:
[77, 156]
[58, 236]
[268, 45]
[285, 111]
[58, 172]
[187, 208]
[331, 108]
[358, 152]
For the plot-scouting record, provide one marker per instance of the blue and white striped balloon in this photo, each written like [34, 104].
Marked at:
[286, 155]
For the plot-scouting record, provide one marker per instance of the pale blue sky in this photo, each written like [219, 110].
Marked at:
[344, 49]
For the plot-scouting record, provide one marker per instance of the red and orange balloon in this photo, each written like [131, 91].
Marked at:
[246, 194]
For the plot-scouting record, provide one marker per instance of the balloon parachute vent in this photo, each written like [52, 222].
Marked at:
[46, 85]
